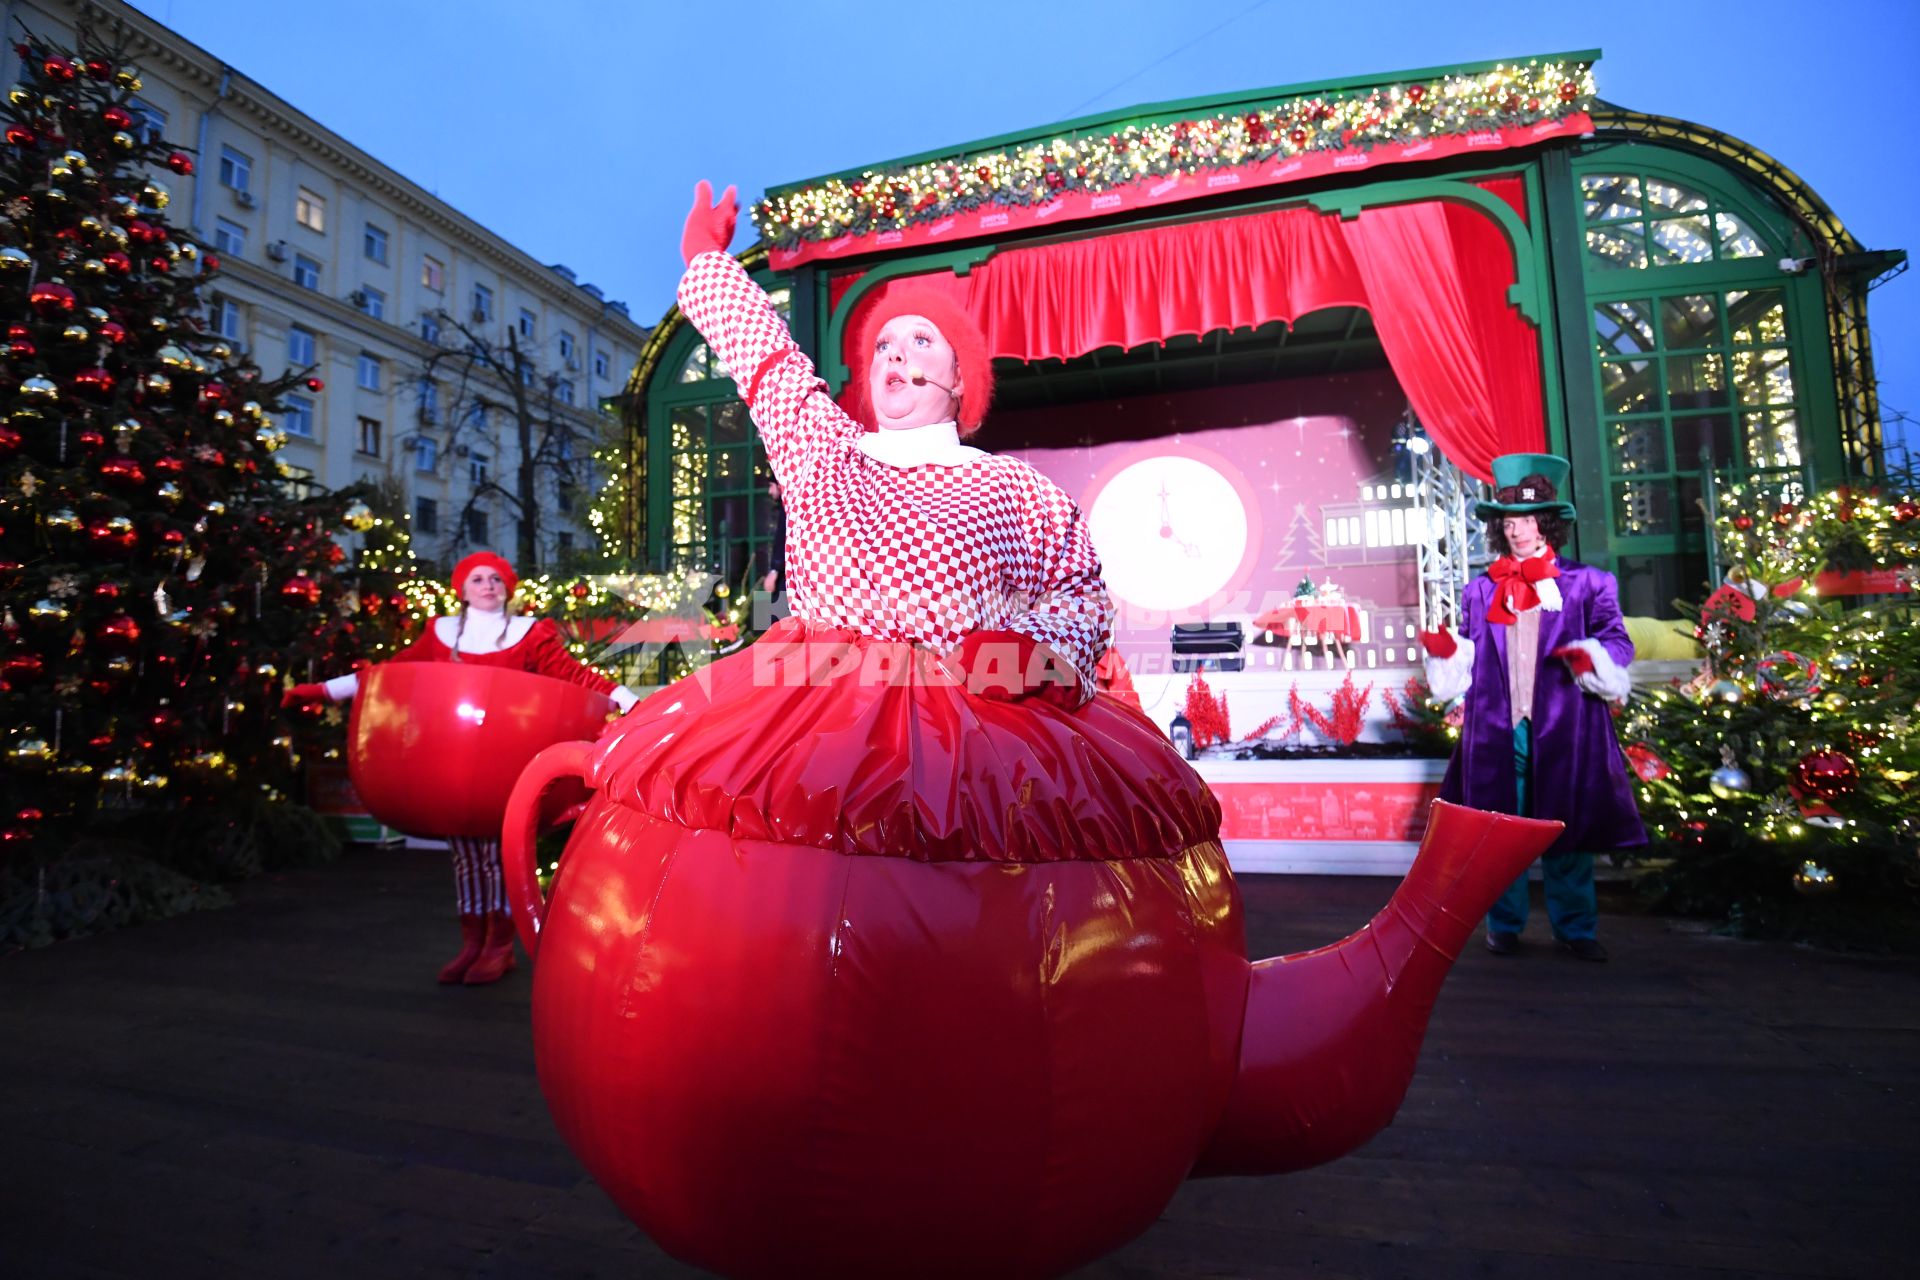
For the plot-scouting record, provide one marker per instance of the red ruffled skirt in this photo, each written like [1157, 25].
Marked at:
[835, 740]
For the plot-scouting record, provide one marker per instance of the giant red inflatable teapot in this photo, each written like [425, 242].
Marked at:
[898, 1003]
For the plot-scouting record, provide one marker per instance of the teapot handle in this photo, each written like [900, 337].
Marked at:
[522, 832]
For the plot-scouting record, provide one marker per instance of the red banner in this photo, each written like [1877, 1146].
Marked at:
[1891, 581]
[1156, 192]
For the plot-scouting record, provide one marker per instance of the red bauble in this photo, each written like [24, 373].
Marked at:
[50, 299]
[21, 136]
[173, 538]
[1416, 92]
[167, 464]
[95, 381]
[106, 590]
[213, 395]
[300, 589]
[212, 262]
[58, 67]
[99, 69]
[1743, 523]
[581, 590]
[117, 632]
[314, 384]
[1569, 91]
[142, 231]
[11, 837]
[159, 263]
[29, 816]
[22, 666]
[22, 349]
[118, 263]
[180, 162]
[1905, 511]
[1828, 774]
[1298, 137]
[118, 117]
[9, 441]
[164, 723]
[90, 440]
[123, 470]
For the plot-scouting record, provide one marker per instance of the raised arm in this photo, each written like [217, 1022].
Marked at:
[798, 420]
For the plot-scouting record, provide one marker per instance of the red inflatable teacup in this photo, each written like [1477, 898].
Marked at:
[434, 748]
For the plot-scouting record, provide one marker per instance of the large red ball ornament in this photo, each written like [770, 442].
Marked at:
[96, 382]
[99, 69]
[167, 464]
[119, 264]
[123, 470]
[21, 136]
[300, 589]
[59, 67]
[50, 299]
[22, 349]
[22, 667]
[180, 162]
[1827, 774]
[10, 441]
[91, 440]
[118, 632]
[315, 384]
[117, 116]
[1906, 511]
[213, 394]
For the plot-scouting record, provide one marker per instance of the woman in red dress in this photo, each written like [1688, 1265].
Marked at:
[483, 632]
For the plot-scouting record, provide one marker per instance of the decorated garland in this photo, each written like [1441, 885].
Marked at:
[876, 201]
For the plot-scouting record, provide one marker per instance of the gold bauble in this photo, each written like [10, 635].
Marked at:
[38, 388]
[215, 507]
[169, 493]
[159, 384]
[359, 516]
[251, 411]
[1812, 880]
[127, 80]
[223, 418]
[123, 140]
[151, 782]
[75, 333]
[116, 776]
[63, 519]
[158, 324]
[48, 611]
[28, 752]
[190, 251]
[92, 226]
[12, 259]
[175, 356]
[19, 95]
[59, 171]
[74, 160]
[155, 196]
[56, 196]
[220, 351]
[93, 267]
[269, 437]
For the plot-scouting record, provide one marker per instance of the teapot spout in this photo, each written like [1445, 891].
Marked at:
[1330, 1037]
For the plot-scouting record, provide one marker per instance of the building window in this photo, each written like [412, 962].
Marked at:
[368, 374]
[1638, 220]
[236, 169]
[374, 244]
[563, 446]
[600, 364]
[720, 515]
[426, 515]
[482, 304]
[426, 453]
[566, 543]
[566, 350]
[371, 302]
[563, 391]
[477, 416]
[476, 525]
[563, 497]
[301, 347]
[477, 468]
[310, 210]
[226, 318]
[306, 271]
[229, 238]
[430, 327]
[433, 274]
[527, 322]
[370, 437]
[298, 418]
[149, 122]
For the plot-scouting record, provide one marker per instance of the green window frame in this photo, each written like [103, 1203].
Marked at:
[710, 505]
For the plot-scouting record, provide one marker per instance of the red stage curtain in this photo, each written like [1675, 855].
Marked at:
[1434, 275]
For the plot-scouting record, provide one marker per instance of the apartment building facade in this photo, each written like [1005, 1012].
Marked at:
[331, 260]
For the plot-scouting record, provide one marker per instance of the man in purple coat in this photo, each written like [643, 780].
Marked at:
[1542, 655]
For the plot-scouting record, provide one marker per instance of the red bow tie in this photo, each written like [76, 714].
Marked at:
[1513, 580]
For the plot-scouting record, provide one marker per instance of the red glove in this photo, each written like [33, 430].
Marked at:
[709, 225]
[1441, 643]
[1576, 658]
[1006, 666]
[305, 695]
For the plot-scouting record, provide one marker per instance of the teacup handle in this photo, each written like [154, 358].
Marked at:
[521, 834]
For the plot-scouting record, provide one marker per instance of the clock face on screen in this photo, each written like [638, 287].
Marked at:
[1172, 528]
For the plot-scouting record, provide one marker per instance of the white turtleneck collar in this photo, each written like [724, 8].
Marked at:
[937, 443]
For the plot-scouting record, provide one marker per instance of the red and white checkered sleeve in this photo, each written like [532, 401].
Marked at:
[1071, 611]
[784, 394]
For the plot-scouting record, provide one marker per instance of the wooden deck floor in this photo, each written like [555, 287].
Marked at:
[280, 1089]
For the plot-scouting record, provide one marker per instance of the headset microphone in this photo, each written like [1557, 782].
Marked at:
[916, 374]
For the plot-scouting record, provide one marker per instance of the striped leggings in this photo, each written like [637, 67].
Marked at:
[478, 882]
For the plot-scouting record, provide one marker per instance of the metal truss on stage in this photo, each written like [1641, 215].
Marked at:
[1455, 543]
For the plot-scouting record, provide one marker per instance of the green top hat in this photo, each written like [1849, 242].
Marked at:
[1511, 498]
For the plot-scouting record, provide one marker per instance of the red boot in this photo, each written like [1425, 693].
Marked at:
[473, 934]
[496, 955]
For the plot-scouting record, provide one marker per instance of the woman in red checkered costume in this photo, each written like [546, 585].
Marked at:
[486, 634]
[936, 679]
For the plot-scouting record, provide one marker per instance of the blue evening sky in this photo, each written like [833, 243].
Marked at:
[577, 128]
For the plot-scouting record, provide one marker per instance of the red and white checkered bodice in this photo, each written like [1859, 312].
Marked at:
[922, 554]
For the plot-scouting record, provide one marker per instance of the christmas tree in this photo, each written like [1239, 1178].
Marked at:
[1779, 783]
[160, 577]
